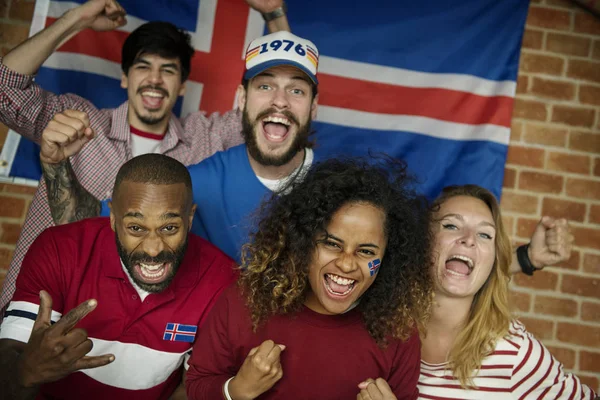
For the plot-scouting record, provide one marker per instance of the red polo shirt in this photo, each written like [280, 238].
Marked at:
[149, 339]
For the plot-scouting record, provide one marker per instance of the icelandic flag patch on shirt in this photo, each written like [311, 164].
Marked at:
[180, 332]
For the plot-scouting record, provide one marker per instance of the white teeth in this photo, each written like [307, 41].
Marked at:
[152, 94]
[462, 258]
[151, 271]
[277, 120]
[339, 280]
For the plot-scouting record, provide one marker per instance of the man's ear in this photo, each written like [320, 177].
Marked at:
[313, 107]
[241, 97]
[191, 217]
[182, 89]
[112, 216]
[124, 80]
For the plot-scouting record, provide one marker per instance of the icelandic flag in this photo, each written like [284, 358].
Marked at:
[431, 81]
[374, 266]
[180, 332]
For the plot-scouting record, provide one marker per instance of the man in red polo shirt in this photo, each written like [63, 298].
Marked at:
[137, 286]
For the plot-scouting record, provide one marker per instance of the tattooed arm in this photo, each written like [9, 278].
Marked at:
[69, 201]
[64, 136]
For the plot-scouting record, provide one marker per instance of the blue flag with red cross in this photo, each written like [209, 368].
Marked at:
[432, 81]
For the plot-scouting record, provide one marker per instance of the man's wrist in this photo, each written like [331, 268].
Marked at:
[276, 13]
[524, 260]
[235, 392]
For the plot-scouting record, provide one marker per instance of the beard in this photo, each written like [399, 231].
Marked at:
[149, 119]
[249, 132]
[174, 257]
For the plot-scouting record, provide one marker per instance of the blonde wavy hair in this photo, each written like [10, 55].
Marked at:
[489, 317]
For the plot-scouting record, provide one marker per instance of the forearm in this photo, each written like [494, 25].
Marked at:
[279, 24]
[515, 267]
[10, 383]
[29, 56]
[68, 200]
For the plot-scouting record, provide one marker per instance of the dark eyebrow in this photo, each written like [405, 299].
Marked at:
[139, 215]
[134, 214]
[297, 77]
[146, 62]
[460, 218]
[330, 236]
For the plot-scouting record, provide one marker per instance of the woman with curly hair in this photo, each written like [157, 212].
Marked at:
[473, 348]
[333, 288]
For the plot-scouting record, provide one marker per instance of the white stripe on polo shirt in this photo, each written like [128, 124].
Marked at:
[19, 320]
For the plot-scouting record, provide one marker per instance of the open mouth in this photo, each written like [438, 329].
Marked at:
[337, 286]
[459, 265]
[152, 99]
[152, 273]
[276, 129]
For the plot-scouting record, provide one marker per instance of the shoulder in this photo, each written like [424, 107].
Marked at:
[216, 164]
[88, 229]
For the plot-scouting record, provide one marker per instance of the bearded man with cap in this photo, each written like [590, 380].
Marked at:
[278, 97]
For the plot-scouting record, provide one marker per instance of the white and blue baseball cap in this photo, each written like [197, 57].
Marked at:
[281, 48]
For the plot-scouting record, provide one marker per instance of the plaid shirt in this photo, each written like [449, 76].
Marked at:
[26, 108]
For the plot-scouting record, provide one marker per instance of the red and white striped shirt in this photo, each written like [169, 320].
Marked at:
[27, 108]
[520, 367]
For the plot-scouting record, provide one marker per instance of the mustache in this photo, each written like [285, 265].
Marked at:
[288, 114]
[160, 258]
[154, 87]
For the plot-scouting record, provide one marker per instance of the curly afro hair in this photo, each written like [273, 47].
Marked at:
[275, 264]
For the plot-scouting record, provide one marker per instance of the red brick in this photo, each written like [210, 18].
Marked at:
[589, 361]
[546, 135]
[540, 182]
[591, 263]
[542, 64]
[587, 23]
[541, 328]
[543, 280]
[530, 109]
[12, 207]
[565, 162]
[565, 356]
[571, 210]
[13, 34]
[516, 128]
[574, 116]
[526, 226]
[587, 237]
[568, 44]
[552, 89]
[561, 3]
[527, 156]
[584, 141]
[21, 189]
[510, 177]
[590, 311]
[508, 223]
[522, 84]
[520, 203]
[549, 18]
[9, 233]
[572, 263]
[22, 10]
[586, 70]
[590, 381]
[532, 39]
[520, 301]
[554, 306]
[597, 167]
[578, 334]
[589, 94]
[5, 257]
[583, 188]
[596, 50]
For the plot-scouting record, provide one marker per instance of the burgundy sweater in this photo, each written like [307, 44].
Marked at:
[326, 356]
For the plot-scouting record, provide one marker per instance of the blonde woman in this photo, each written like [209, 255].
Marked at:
[473, 348]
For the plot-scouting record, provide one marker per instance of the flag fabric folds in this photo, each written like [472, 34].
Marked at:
[432, 81]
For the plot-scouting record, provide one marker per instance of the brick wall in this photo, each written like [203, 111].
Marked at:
[553, 168]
